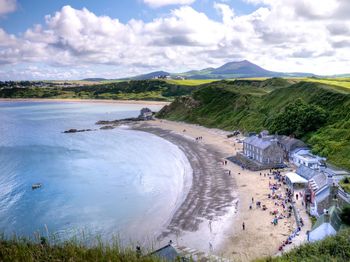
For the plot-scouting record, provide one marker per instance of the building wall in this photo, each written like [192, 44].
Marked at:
[273, 154]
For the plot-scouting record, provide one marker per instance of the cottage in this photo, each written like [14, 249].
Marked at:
[318, 194]
[327, 224]
[263, 149]
[289, 144]
[170, 253]
[146, 114]
[303, 156]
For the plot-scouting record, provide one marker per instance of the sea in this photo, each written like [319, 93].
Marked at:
[105, 184]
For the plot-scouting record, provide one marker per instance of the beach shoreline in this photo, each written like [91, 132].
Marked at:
[209, 202]
[72, 100]
[226, 237]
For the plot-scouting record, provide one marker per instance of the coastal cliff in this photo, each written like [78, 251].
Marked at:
[319, 115]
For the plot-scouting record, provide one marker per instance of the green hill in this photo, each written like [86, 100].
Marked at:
[317, 113]
[136, 89]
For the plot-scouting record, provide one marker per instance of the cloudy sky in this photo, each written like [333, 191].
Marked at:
[41, 39]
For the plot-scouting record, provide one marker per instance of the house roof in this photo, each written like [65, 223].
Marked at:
[334, 171]
[334, 219]
[306, 172]
[259, 142]
[290, 143]
[167, 253]
[318, 181]
[294, 178]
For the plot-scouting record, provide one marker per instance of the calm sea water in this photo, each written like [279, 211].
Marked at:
[106, 183]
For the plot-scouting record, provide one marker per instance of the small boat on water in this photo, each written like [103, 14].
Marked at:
[36, 186]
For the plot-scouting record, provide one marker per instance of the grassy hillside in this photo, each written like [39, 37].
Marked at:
[257, 105]
[335, 248]
[27, 251]
[136, 90]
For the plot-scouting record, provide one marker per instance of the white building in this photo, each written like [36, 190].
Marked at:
[303, 156]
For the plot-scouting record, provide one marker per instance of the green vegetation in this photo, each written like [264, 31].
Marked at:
[335, 248]
[316, 113]
[298, 118]
[127, 90]
[27, 251]
[345, 215]
[345, 184]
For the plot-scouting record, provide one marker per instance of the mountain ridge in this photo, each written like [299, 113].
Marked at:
[233, 69]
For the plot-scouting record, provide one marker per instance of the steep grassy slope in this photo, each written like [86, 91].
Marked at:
[255, 105]
[138, 90]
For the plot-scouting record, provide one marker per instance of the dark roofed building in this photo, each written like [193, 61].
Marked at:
[263, 149]
[146, 114]
[288, 144]
[169, 253]
[307, 172]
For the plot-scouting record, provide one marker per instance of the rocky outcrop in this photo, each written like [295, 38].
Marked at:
[107, 127]
[73, 130]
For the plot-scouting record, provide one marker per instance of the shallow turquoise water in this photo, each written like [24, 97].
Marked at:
[107, 183]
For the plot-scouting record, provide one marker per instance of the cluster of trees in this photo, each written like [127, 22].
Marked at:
[298, 118]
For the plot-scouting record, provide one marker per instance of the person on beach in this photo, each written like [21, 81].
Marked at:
[243, 226]
[252, 199]
[229, 172]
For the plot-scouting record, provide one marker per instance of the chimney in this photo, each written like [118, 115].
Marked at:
[326, 216]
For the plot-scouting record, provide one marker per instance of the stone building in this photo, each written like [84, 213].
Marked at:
[263, 149]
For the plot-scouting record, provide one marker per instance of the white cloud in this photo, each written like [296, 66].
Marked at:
[7, 6]
[160, 3]
[277, 36]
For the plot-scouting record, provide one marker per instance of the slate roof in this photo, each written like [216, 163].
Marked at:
[318, 181]
[307, 172]
[168, 253]
[334, 219]
[334, 171]
[290, 143]
[259, 142]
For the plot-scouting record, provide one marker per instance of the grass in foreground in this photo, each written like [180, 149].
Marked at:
[27, 251]
[335, 248]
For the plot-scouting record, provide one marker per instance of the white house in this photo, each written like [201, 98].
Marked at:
[327, 224]
[303, 156]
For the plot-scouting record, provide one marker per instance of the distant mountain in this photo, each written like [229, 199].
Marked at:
[240, 69]
[156, 74]
[94, 79]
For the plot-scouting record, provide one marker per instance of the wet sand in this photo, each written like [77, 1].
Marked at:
[209, 199]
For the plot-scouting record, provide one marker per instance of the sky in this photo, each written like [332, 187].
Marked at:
[41, 39]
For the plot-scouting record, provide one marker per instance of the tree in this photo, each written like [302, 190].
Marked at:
[298, 118]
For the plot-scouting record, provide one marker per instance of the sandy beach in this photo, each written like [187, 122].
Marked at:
[210, 219]
[142, 102]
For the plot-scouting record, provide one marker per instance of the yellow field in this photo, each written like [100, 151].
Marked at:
[191, 82]
[343, 82]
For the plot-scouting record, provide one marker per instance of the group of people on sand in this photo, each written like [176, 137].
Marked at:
[199, 138]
